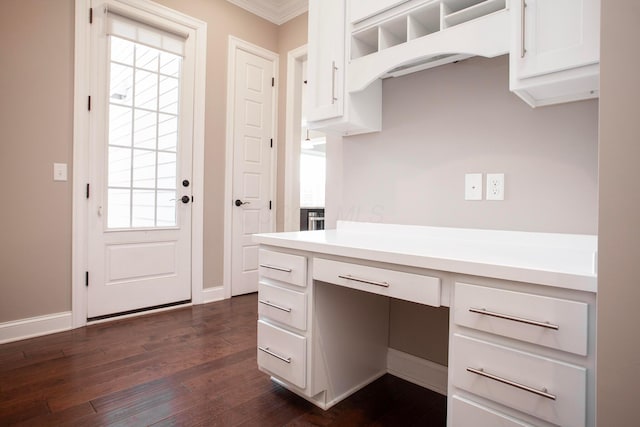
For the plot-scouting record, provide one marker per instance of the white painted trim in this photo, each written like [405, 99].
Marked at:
[294, 57]
[82, 89]
[35, 326]
[79, 241]
[212, 294]
[277, 13]
[419, 371]
[236, 44]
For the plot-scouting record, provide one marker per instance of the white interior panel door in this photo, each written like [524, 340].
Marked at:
[141, 167]
[252, 171]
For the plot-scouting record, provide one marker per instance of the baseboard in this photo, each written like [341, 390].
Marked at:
[418, 371]
[35, 326]
[212, 294]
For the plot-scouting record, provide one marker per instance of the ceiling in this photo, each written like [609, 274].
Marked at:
[276, 11]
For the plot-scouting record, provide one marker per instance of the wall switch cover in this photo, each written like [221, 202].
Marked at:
[473, 186]
[59, 171]
[495, 186]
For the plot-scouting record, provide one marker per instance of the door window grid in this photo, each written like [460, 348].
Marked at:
[143, 136]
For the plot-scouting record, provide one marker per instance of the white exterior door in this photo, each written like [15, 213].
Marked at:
[252, 165]
[141, 164]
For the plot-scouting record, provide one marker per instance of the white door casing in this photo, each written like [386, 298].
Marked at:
[144, 266]
[251, 148]
[296, 74]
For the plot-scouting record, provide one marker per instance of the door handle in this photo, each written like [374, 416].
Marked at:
[239, 202]
[183, 199]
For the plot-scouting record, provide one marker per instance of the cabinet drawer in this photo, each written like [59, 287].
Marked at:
[396, 284]
[550, 322]
[283, 305]
[284, 267]
[282, 353]
[465, 413]
[544, 388]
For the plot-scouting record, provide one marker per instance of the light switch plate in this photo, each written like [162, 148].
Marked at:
[59, 171]
[473, 186]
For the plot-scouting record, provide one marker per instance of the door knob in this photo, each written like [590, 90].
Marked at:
[185, 183]
[185, 199]
[239, 202]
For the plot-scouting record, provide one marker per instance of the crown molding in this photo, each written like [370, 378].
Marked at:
[276, 11]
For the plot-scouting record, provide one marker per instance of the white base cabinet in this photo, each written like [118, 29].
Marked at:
[521, 357]
[520, 354]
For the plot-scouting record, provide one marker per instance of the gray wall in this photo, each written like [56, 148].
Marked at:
[442, 123]
[618, 346]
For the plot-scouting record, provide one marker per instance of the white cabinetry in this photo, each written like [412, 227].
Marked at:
[521, 356]
[361, 9]
[555, 50]
[329, 107]
[306, 330]
[421, 34]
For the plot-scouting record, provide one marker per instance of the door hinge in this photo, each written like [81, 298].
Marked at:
[86, 279]
[269, 204]
[271, 143]
[89, 103]
[88, 190]
[273, 82]
[90, 15]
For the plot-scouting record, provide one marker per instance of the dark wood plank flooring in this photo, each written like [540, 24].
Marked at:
[192, 366]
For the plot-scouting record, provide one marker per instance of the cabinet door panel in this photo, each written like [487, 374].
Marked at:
[501, 373]
[325, 59]
[282, 305]
[282, 353]
[558, 35]
[465, 412]
[570, 317]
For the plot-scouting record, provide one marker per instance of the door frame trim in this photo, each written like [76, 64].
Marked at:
[82, 89]
[292, 133]
[238, 44]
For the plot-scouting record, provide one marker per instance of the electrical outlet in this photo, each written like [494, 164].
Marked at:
[495, 186]
[473, 186]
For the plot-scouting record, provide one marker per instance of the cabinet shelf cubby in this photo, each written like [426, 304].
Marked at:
[413, 21]
[472, 10]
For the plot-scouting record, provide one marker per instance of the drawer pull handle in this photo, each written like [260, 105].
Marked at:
[270, 304]
[514, 318]
[543, 392]
[277, 356]
[273, 267]
[369, 282]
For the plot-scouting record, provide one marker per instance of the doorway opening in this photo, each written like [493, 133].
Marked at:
[305, 154]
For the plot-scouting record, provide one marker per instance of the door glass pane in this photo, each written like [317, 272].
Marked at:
[142, 169]
[119, 208]
[120, 125]
[143, 208]
[145, 129]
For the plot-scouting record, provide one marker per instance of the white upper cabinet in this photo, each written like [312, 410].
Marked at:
[361, 9]
[329, 107]
[325, 59]
[555, 50]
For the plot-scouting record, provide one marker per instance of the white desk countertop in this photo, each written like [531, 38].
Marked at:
[561, 260]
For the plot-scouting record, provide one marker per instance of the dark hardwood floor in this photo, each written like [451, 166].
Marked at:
[186, 367]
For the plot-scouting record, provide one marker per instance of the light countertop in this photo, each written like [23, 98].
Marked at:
[561, 260]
